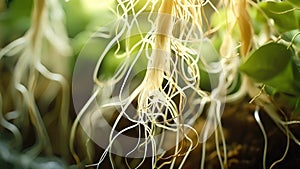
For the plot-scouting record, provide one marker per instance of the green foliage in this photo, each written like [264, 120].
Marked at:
[295, 2]
[292, 36]
[283, 13]
[76, 17]
[267, 62]
[278, 67]
[209, 55]
[15, 20]
[273, 64]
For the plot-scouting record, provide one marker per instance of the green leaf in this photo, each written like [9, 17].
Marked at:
[285, 81]
[296, 71]
[274, 65]
[271, 91]
[76, 17]
[283, 14]
[292, 36]
[208, 51]
[295, 2]
[297, 106]
[210, 56]
[15, 20]
[267, 61]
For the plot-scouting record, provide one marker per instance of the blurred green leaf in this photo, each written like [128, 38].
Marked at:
[76, 17]
[283, 14]
[210, 56]
[295, 2]
[15, 20]
[209, 52]
[271, 91]
[296, 69]
[292, 35]
[297, 105]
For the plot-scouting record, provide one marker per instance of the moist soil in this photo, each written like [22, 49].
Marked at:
[244, 143]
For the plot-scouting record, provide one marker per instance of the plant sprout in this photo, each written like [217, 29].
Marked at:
[165, 70]
[171, 83]
[169, 99]
[37, 82]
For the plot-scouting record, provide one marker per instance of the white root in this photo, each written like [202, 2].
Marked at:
[171, 61]
[172, 80]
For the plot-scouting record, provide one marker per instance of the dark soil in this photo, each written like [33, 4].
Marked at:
[244, 142]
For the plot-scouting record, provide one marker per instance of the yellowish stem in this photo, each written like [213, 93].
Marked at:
[161, 54]
[244, 22]
[36, 26]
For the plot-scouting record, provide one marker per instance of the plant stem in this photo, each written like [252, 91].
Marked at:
[37, 19]
[161, 53]
[160, 61]
[164, 30]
